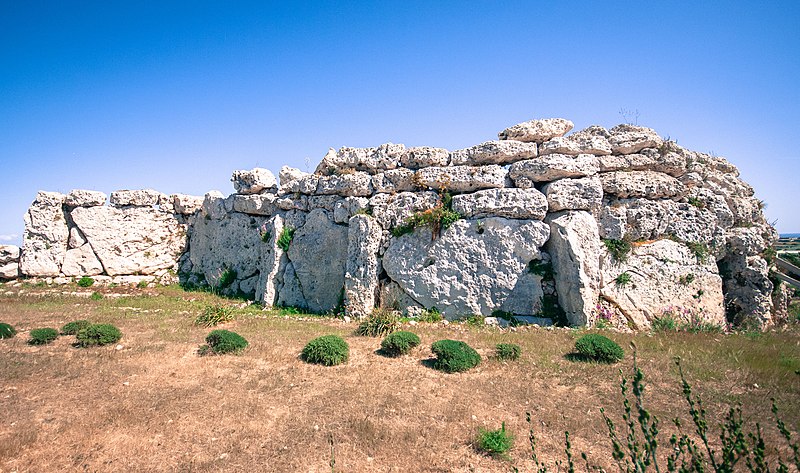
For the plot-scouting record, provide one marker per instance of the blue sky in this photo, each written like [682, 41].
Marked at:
[174, 96]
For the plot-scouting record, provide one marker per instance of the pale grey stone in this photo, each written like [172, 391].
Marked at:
[629, 139]
[349, 206]
[648, 159]
[593, 140]
[214, 205]
[255, 204]
[553, 167]
[81, 262]
[356, 184]
[9, 254]
[391, 210]
[136, 198]
[418, 157]
[76, 238]
[384, 157]
[362, 267]
[298, 202]
[306, 184]
[272, 263]
[84, 198]
[493, 152]
[649, 184]
[462, 178]
[254, 181]
[574, 194]
[327, 202]
[393, 297]
[393, 181]
[44, 243]
[9, 270]
[288, 174]
[184, 204]
[528, 204]
[537, 130]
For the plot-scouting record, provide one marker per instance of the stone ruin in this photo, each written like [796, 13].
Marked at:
[539, 225]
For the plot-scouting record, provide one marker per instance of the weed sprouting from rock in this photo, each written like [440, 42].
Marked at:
[619, 249]
[285, 238]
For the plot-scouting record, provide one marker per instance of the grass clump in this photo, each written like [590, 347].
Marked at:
[221, 342]
[399, 343]
[437, 218]
[623, 279]
[495, 442]
[6, 330]
[699, 249]
[85, 281]
[454, 356]
[98, 334]
[96, 296]
[431, 315]
[507, 351]
[665, 323]
[227, 278]
[597, 347]
[285, 238]
[214, 314]
[380, 322]
[619, 249]
[328, 350]
[142, 284]
[42, 336]
[72, 328]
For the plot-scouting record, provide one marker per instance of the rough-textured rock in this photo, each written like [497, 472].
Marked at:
[384, 157]
[9, 270]
[668, 162]
[76, 238]
[462, 178]
[537, 130]
[393, 181]
[136, 198]
[528, 204]
[593, 140]
[574, 194]
[472, 268]
[254, 181]
[84, 198]
[183, 204]
[392, 210]
[255, 204]
[44, 242]
[357, 184]
[272, 263]
[664, 279]
[628, 139]
[134, 240]
[493, 152]
[574, 248]
[288, 174]
[747, 290]
[9, 261]
[554, 166]
[81, 262]
[305, 184]
[362, 267]
[424, 156]
[349, 206]
[393, 297]
[214, 205]
[649, 184]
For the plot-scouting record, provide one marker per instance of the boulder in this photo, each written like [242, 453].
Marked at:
[527, 204]
[393, 181]
[384, 157]
[255, 204]
[356, 184]
[306, 184]
[44, 243]
[574, 194]
[81, 262]
[648, 159]
[183, 204]
[254, 181]
[629, 139]
[553, 167]
[574, 248]
[362, 267]
[592, 140]
[391, 210]
[419, 157]
[493, 152]
[136, 198]
[84, 198]
[214, 205]
[649, 184]
[462, 178]
[473, 267]
[9, 270]
[537, 130]
[288, 174]
[9, 261]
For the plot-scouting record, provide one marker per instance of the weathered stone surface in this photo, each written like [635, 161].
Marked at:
[357, 184]
[84, 198]
[183, 204]
[592, 140]
[649, 184]
[554, 166]
[392, 210]
[393, 180]
[327, 202]
[81, 262]
[424, 156]
[255, 204]
[493, 152]
[9, 270]
[347, 207]
[574, 248]
[665, 279]
[288, 174]
[537, 130]
[254, 181]
[306, 184]
[747, 290]
[134, 240]
[628, 139]
[272, 263]
[574, 194]
[528, 204]
[393, 297]
[649, 159]
[214, 205]
[44, 242]
[462, 178]
[9, 261]
[472, 268]
[318, 254]
[362, 267]
[136, 198]
[384, 157]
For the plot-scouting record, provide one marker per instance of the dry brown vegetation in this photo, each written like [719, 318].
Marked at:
[155, 405]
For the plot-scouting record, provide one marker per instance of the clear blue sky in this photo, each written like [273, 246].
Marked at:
[176, 95]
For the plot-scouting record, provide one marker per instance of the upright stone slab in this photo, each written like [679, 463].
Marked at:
[363, 267]
[574, 248]
[44, 243]
[9, 262]
[81, 261]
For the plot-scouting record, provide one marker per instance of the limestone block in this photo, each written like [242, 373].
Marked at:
[44, 243]
[288, 174]
[81, 262]
[9, 270]
[384, 157]
[528, 204]
[76, 238]
[254, 181]
[463, 178]
[537, 130]
[136, 198]
[629, 139]
[183, 204]
[84, 198]
[574, 194]
[493, 152]
[306, 184]
[648, 159]
[393, 181]
[272, 263]
[357, 184]
[255, 204]
[649, 184]
[592, 140]
[9, 261]
[553, 167]
[298, 202]
[391, 210]
[419, 157]
[362, 267]
[327, 202]
[349, 206]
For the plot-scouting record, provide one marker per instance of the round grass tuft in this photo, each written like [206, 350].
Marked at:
[98, 334]
[328, 350]
[454, 356]
[596, 347]
[43, 336]
[399, 343]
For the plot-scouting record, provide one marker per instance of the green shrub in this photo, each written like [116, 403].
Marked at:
[507, 351]
[214, 314]
[380, 322]
[326, 350]
[227, 278]
[225, 341]
[98, 334]
[285, 238]
[6, 331]
[454, 356]
[85, 281]
[142, 284]
[623, 279]
[618, 249]
[399, 343]
[43, 336]
[699, 249]
[495, 442]
[431, 315]
[437, 218]
[599, 348]
[96, 296]
[72, 328]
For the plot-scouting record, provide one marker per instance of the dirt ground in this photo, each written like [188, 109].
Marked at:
[152, 404]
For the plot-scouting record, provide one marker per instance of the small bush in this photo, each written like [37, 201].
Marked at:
[227, 278]
[72, 328]
[85, 281]
[142, 284]
[285, 238]
[431, 315]
[98, 334]
[399, 343]
[599, 348]
[96, 296]
[699, 249]
[618, 249]
[495, 442]
[43, 336]
[507, 351]
[454, 356]
[214, 315]
[6, 330]
[623, 279]
[380, 322]
[225, 341]
[326, 350]
[437, 218]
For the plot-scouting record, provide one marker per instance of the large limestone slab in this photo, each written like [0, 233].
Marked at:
[554, 166]
[393, 181]
[574, 248]
[664, 278]
[184, 204]
[254, 181]
[356, 184]
[574, 194]
[391, 210]
[81, 262]
[384, 157]
[85, 198]
[462, 178]
[419, 157]
[537, 130]
[649, 159]
[629, 139]
[134, 240]
[649, 184]
[527, 204]
[363, 266]
[473, 267]
[136, 198]
[9, 261]
[493, 152]
[44, 243]
[255, 204]
[592, 140]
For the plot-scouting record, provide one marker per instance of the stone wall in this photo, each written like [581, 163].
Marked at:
[522, 226]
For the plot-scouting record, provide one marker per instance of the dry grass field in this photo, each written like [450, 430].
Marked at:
[153, 404]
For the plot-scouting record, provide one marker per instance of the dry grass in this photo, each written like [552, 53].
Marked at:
[154, 405]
